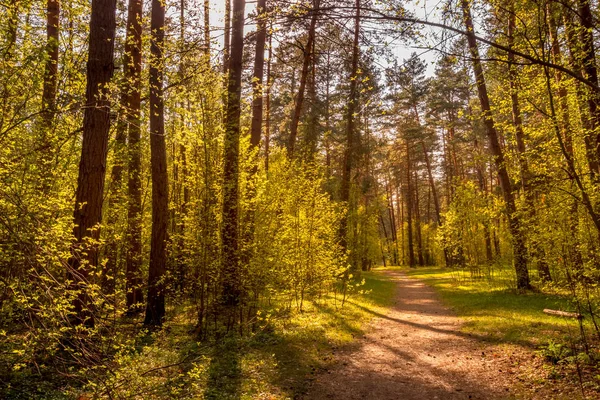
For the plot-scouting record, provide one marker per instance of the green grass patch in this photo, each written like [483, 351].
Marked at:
[496, 312]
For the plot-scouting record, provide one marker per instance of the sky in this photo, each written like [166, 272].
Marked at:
[425, 9]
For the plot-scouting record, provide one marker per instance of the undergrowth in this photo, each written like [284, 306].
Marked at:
[276, 361]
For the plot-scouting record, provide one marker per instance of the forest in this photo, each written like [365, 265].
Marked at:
[220, 199]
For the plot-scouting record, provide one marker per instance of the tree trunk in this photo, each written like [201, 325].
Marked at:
[206, 29]
[49, 93]
[409, 210]
[586, 119]
[231, 294]
[308, 56]
[392, 217]
[586, 39]
[576, 258]
[133, 71]
[519, 249]
[268, 103]
[418, 223]
[257, 79]
[486, 225]
[537, 250]
[350, 139]
[51, 69]
[155, 304]
[92, 165]
[227, 36]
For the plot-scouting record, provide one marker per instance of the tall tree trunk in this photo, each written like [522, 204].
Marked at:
[231, 294]
[92, 165]
[483, 189]
[51, 68]
[418, 222]
[257, 79]
[49, 92]
[537, 250]
[133, 70]
[350, 134]
[155, 304]
[590, 72]
[311, 136]
[587, 120]
[518, 242]
[576, 258]
[227, 37]
[206, 28]
[268, 102]
[409, 209]
[392, 217]
[308, 56]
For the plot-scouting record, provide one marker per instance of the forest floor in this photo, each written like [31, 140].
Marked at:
[419, 349]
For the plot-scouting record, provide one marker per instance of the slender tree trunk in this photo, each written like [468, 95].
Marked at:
[401, 212]
[576, 258]
[268, 103]
[418, 223]
[486, 225]
[231, 294]
[537, 250]
[586, 39]
[92, 165]
[206, 28]
[311, 137]
[227, 37]
[257, 79]
[586, 119]
[133, 71]
[49, 92]
[308, 56]
[350, 134]
[518, 242]
[155, 304]
[409, 209]
[392, 217]
[51, 69]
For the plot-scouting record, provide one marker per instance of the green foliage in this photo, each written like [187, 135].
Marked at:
[465, 222]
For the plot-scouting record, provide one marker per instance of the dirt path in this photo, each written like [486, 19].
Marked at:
[416, 351]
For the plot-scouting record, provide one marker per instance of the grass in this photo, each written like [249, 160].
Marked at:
[275, 363]
[498, 313]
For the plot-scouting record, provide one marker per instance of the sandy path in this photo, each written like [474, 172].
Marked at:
[416, 351]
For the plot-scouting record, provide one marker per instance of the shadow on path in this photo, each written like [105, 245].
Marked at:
[416, 351]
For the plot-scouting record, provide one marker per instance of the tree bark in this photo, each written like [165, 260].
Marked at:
[586, 119]
[231, 292]
[308, 56]
[206, 28]
[350, 134]
[575, 254]
[51, 68]
[92, 165]
[133, 70]
[268, 104]
[155, 304]
[537, 250]
[409, 209]
[49, 93]
[586, 38]
[419, 236]
[226, 36]
[518, 243]
[257, 79]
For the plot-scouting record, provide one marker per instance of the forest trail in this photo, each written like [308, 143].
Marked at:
[416, 351]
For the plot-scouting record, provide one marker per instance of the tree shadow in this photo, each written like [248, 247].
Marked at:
[225, 371]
